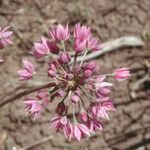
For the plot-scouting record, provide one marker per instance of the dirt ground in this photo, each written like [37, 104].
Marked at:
[128, 127]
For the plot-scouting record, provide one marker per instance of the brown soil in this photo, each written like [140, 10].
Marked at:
[129, 127]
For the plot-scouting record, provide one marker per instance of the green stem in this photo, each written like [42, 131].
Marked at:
[75, 62]
[73, 113]
[63, 46]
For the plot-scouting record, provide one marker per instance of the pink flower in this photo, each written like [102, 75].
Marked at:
[122, 74]
[68, 130]
[101, 83]
[5, 37]
[106, 106]
[52, 70]
[41, 49]
[28, 71]
[58, 123]
[79, 46]
[60, 33]
[83, 116]
[94, 125]
[87, 74]
[81, 32]
[61, 108]
[94, 45]
[99, 109]
[100, 88]
[64, 58]
[80, 130]
[53, 47]
[35, 107]
[83, 92]
[51, 73]
[89, 66]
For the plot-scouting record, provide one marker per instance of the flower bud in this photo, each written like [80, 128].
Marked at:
[53, 47]
[91, 65]
[51, 73]
[83, 116]
[64, 58]
[79, 46]
[60, 33]
[87, 73]
[122, 74]
[61, 108]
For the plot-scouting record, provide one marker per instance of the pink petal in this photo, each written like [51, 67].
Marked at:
[84, 129]
[77, 133]
[7, 34]
[24, 73]
[28, 65]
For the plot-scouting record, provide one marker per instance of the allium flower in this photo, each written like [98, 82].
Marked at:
[83, 116]
[99, 109]
[94, 125]
[80, 46]
[44, 47]
[64, 58]
[80, 131]
[81, 32]
[58, 123]
[122, 74]
[28, 71]
[60, 33]
[84, 95]
[5, 37]
[35, 106]
[94, 45]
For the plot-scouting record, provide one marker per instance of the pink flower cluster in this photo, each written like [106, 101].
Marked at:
[5, 40]
[84, 97]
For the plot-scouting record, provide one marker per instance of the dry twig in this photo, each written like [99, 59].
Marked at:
[126, 41]
[23, 93]
[37, 143]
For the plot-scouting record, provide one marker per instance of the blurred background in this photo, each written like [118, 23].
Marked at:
[129, 126]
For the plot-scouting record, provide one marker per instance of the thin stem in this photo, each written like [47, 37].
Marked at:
[61, 67]
[73, 113]
[42, 74]
[60, 79]
[75, 62]
[83, 57]
[65, 95]
[63, 46]
[54, 93]
[86, 94]
[108, 74]
[83, 103]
